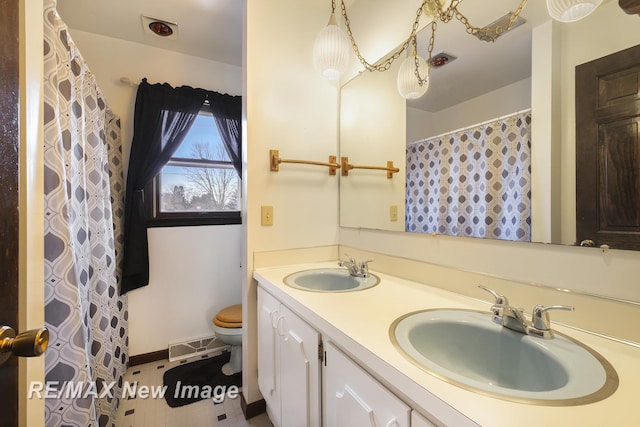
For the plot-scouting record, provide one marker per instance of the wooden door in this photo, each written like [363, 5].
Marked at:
[608, 150]
[9, 144]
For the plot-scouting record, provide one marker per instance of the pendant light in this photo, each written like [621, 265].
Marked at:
[331, 50]
[332, 47]
[571, 10]
[413, 76]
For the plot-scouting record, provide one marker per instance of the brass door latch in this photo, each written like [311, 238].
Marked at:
[26, 344]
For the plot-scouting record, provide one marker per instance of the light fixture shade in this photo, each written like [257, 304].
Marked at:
[571, 10]
[331, 51]
[408, 84]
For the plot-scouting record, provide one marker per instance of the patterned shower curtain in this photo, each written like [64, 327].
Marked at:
[86, 318]
[474, 182]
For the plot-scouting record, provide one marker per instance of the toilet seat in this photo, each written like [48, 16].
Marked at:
[227, 325]
[229, 317]
[230, 325]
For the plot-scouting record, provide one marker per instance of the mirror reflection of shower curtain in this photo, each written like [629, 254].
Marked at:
[84, 190]
[475, 182]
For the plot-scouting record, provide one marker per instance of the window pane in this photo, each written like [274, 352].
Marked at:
[198, 189]
[203, 141]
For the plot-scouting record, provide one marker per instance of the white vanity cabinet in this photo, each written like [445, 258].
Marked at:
[352, 397]
[288, 365]
[418, 420]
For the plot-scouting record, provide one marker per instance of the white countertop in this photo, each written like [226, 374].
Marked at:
[358, 322]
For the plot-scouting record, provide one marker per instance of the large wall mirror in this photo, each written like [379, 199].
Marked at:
[528, 73]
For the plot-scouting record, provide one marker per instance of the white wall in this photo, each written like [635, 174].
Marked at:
[194, 271]
[110, 59]
[491, 105]
[615, 273]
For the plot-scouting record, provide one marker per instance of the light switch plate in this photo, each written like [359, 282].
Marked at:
[393, 213]
[266, 215]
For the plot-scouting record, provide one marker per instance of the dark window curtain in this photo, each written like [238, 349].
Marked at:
[227, 110]
[163, 116]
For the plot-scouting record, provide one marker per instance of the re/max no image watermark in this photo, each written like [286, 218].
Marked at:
[102, 390]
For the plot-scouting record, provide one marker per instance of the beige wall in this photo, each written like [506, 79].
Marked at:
[372, 132]
[288, 107]
[379, 26]
[31, 244]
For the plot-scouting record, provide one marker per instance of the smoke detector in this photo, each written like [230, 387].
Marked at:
[160, 27]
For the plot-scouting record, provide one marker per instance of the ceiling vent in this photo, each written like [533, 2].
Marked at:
[442, 59]
[160, 27]
[490, 34]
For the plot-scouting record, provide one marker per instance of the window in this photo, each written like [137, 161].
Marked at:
[199, 184]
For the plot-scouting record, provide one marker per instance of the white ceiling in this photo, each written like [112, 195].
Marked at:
[212, 29]
[480, 66]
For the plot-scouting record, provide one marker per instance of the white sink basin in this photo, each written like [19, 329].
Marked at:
[467, 349]
[330, 280]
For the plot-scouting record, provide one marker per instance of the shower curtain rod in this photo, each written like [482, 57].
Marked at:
[128, 81]
[506, 116]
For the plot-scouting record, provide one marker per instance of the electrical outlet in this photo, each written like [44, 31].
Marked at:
[266, 215]
[393, 213]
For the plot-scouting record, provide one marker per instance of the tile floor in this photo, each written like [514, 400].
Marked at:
[150, 412]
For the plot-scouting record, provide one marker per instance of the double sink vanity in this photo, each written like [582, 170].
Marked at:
[339, 345]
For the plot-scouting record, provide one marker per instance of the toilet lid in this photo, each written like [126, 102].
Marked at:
[231, 315]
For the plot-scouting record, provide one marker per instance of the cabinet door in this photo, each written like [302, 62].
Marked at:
[418, 420]
[299, 372]
[269, 319]
[352, 397]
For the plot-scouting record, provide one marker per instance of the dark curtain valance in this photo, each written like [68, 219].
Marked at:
[163, 116]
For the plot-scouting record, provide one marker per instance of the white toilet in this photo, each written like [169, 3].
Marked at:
[227, 325]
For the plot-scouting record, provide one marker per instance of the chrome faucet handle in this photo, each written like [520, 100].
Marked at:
[499, 299]
[497, 309]
[350, 265]
[349, 261]
[364, 266]
[540, 316]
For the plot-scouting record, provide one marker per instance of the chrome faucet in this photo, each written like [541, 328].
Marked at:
[355, 269]
[514, 319]
[498, 306]
[541, 326]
